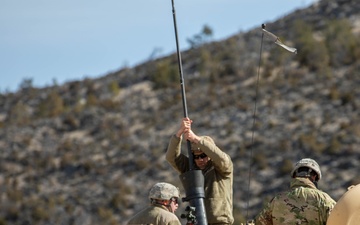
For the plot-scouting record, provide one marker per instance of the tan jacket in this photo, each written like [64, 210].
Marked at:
[218, 178]
[156, 215]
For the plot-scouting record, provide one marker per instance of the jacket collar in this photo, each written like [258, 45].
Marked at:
[301, 182]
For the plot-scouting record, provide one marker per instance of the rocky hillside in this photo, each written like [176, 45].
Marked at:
[88, 151]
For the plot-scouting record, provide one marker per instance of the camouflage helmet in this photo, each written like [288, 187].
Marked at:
[163, 191]
[309, 163]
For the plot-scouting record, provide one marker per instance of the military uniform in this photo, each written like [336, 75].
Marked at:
[218, 178]
[303, 204]
[156, 215]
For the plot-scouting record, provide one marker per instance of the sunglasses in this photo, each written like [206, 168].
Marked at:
[175, 200]
[201, 156]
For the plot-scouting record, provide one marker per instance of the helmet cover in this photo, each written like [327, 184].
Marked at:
[164, 191]
[309, 163]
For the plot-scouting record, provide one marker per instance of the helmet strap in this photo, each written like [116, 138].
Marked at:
[314, 180]
[315, 183]
[165, 203]
[168, 205]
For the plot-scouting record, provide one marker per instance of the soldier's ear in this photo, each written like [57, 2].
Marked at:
[314, 177]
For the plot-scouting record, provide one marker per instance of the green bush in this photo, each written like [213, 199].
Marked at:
[261, 161]
[312, 52]
[343, 45]
[165, 74]
[114, 87]
[286, 167]
[51, 106]
[40, 213]
[19, 114]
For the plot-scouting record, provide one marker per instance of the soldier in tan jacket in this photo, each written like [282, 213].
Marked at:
[164, 202]
[216, 166]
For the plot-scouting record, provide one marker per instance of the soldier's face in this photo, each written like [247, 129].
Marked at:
[201, 159]
[174, 204]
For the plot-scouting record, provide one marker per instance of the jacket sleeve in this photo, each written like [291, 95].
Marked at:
[221, 160]
[265, 216]
[328, 206]
[174, 156]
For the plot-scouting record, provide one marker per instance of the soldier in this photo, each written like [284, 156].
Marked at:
[216, 166]
[304, 203]
[164, 202]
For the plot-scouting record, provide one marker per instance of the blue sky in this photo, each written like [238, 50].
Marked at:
[63, 40]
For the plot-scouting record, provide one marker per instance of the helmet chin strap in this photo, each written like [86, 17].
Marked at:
[165, 203]
[168, 206]
[313, 180]
[307, 174]
[315, 183]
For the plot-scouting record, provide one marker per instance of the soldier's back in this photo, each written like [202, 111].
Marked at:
[301, 205]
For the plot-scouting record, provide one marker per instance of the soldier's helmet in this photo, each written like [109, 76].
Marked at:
[164, 191]
[308, 163]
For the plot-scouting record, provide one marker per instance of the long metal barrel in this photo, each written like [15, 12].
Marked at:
[182, 84]
[193, 179]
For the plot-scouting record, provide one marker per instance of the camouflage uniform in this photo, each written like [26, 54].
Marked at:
[218, 178]
[303, 204]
